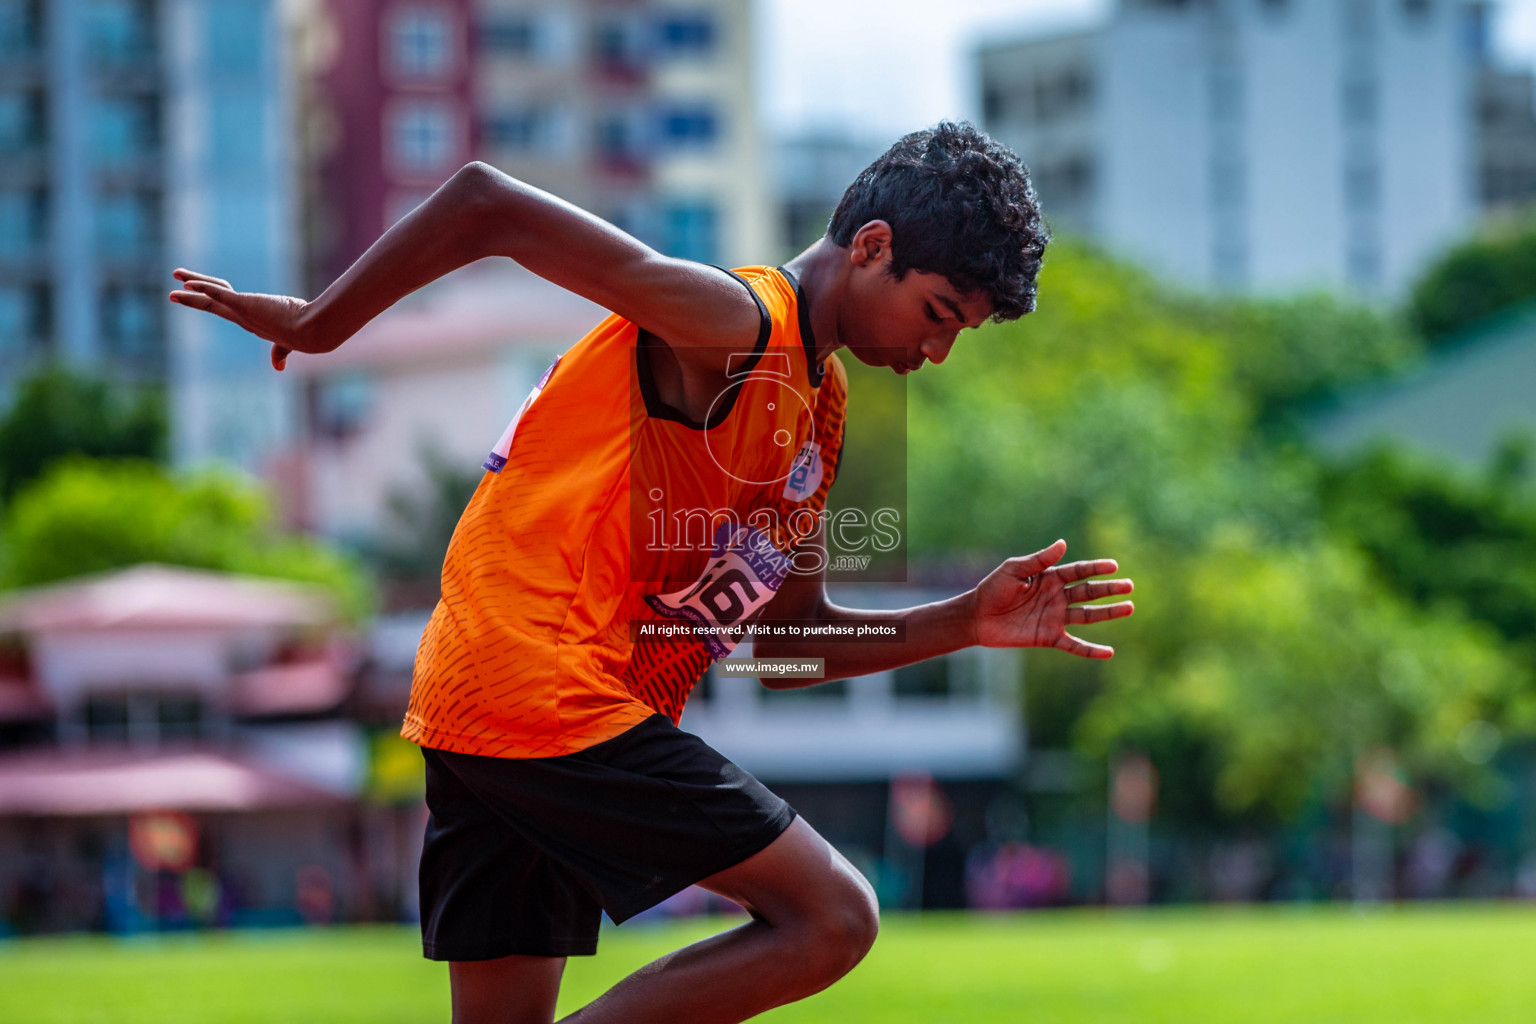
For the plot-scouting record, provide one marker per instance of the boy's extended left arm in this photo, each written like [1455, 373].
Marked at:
[1027, 601]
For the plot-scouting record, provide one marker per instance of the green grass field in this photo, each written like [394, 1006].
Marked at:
[1293, 965]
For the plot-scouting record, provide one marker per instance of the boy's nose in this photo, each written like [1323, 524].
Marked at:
[937, 349]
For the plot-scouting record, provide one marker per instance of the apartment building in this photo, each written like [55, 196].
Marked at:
[136, 135]
[640, 112]
[1261, 145]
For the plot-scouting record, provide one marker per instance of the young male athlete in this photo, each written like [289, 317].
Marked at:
[558, 784]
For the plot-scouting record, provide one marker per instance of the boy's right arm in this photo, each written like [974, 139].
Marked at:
[482, 212]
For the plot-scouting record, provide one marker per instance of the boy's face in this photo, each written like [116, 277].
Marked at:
[901, 324]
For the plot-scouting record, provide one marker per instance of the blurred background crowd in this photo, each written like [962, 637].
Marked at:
[1283, 369]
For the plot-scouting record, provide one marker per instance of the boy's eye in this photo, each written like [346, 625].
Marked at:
[931, 314]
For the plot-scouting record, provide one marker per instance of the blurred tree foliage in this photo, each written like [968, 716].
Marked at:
[1484, 275]
[58, 412]
[1270, 646]
[91, 515]
[420, 520]
[1442, 536]
[1289, 352]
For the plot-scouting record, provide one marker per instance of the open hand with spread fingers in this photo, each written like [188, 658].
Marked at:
[275, 318]
[1030, 601]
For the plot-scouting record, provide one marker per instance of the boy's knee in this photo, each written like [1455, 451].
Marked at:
[846, 928]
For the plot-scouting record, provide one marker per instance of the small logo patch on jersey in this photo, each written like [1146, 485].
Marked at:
[745, 572]
[805, 478]
[497, 460]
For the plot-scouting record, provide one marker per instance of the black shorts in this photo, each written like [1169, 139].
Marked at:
[523, 855]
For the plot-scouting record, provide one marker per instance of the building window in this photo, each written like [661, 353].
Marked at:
[143, 717]
[125, 128]
[21, 122]
[423, 137]
[420, 42]
[22, 213]
[120, 32]
[20, 29]
[686, 34]
[690, 231]
[619, 48]
[106, 719]
[622, 143]
[690, 127]
[130, 319]
[993, 103]
[541, 129]
[1067, 181]
[125, 224]
[511, 34]
[1060, 95]
[23, 316]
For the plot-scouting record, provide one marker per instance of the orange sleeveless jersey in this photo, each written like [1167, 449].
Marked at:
[605, 518]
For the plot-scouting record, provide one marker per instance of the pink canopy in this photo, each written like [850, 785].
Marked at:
[62, 782]
[162, 596]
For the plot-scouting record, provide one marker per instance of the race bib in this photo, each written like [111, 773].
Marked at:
[745, 571]
[497, 460]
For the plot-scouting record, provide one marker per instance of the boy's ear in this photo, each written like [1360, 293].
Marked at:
[871, 243]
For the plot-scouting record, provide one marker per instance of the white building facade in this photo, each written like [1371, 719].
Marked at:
[1253, 145]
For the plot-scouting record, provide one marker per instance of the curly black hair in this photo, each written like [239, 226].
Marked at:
[959, 204]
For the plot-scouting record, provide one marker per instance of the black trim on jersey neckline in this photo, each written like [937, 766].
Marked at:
[656, 409]
[814, 370]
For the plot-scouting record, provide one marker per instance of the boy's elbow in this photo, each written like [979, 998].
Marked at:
[475, 185]
[476, 199]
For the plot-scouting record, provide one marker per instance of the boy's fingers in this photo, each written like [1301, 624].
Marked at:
[1080, 592]
[216, 290]
[196, 300]
[207, 303]
[1029, 565]
[1082, 648]
[1074, 571]
[193, 300]
[279, 358]
[183, 274]
[1099, 612]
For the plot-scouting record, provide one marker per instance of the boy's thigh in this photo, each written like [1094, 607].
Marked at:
[486, 891]
[799, 875]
